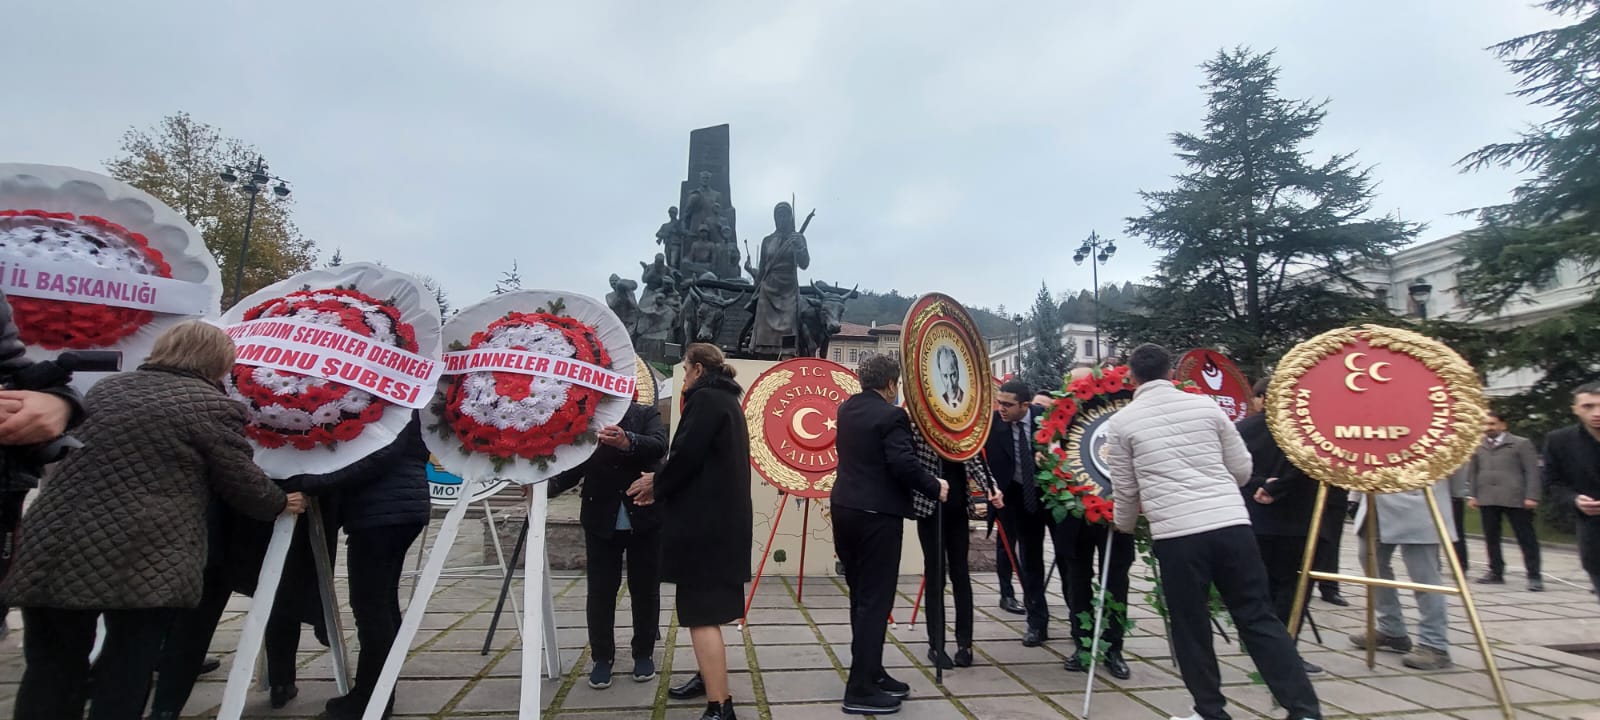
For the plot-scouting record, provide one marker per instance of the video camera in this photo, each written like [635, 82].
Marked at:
[24, 464]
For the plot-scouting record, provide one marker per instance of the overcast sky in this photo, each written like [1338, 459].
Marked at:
[946, 146]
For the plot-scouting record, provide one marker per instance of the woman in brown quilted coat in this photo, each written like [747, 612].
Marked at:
[119, 527]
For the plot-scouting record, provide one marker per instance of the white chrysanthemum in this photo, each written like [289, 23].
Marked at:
[482, 403]
[73, 242]
[286, 384]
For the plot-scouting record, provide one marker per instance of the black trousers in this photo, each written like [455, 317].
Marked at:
[1458, 511]
[1083, 544]
[1228, 559]
[956, 543]
[1281, 555]
[56, 645]
[1589, 548]
[377, 560]
[1026, 531]
[184, 649]
[1326, 559]
[869, 546]
[298, 601]
[10, 520]
[605, 555]
[1527, 537]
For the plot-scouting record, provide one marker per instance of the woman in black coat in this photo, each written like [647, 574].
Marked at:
[383, 505]
[704, 490]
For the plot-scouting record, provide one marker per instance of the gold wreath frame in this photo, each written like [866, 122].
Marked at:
[773, 469]
[940, 306]
[1467, 421]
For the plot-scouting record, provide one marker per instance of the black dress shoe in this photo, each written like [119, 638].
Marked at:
[875, 704]
[282, 694]
[1075, 664]
[1535, 584]
[1335, 599]
[1117, 666]
[1492, 578]
[1035, 638]
[939, 659]
[692, 688]
[894, 688]
[963, 656]
[210, 664]
[719, 711]
[1010, 605]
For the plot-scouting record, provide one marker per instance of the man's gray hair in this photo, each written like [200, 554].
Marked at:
[878, 371]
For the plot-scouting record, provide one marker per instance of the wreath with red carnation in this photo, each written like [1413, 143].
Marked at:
[1066, 491]
[508, 415]
[303, 411]
[86, 240]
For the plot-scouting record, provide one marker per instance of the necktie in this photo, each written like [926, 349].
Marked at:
[1024, 473]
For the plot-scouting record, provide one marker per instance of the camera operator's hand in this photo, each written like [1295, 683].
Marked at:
[31, 417]
[296, 503]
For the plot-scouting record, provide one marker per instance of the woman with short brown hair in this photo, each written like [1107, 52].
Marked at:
[119, 528]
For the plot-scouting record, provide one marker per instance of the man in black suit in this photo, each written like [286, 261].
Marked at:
[613, 525]
[1280, 498]
[1024, 518]
[878, 470]
[1571, 457]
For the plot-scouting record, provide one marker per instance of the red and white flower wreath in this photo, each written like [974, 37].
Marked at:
[78, 240]
[305, 412]
[508, 415]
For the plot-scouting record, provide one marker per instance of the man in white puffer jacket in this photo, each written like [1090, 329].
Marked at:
[1177, 458]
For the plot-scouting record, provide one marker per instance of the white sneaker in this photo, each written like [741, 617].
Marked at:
[1195, 716]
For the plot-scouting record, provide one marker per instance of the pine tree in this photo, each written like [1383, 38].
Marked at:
[1552, 222]
[337, 259]
[439, 296]
[509, 281]
[1259, 241]
[1048, 359]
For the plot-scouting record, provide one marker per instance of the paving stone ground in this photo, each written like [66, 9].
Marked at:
[790, 662]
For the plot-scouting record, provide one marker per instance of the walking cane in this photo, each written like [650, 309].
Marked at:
[1099, 618]
[936, 634]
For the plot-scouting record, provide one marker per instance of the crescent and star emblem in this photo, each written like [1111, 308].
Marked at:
[798, 424]
[1356, 373]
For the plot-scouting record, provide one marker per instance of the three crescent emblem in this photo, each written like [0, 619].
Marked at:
[798, 424]
[1373, 371]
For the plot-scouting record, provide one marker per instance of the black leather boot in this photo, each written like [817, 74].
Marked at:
[719, 711]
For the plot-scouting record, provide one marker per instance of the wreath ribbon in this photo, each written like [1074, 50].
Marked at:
[524, 362]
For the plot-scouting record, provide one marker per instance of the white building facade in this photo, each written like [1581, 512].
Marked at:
[1431, 268]
[1004, 360]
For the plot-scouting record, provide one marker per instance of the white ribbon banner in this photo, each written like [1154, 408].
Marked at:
[524, 362]
[46, 279]
[337, 355]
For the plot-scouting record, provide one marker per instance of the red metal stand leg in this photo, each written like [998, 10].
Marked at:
[916, 606]
[805, 537]
[767, 552]
[1010, 554]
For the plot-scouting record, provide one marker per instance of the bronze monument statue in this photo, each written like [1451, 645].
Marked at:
[777, 301]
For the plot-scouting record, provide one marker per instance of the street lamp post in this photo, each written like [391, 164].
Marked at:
[250, 181]
[1421, 292]
[1097, 251]
[1017, 319]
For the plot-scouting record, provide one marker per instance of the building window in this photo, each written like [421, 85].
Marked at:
[854, 354]
[1088, 348]
[838, 354]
